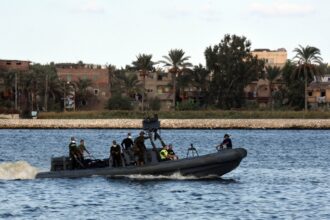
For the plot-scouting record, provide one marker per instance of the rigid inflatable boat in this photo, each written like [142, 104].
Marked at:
[214, 164]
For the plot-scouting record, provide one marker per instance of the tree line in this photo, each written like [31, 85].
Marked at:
[230, 67]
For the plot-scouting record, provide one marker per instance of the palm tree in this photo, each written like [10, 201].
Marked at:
[177, 63]
[130, 83]
[307, 59]
[81, 91]
[272, 72]
[144, 65]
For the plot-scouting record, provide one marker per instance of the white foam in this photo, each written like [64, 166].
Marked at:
[17, 170]
[174, 176]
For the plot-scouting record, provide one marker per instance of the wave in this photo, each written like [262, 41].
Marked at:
[17, 170]
[174, 176]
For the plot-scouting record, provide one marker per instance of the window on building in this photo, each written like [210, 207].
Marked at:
[310, 93]
[159, 77]
[322, 93]
[8, 63]
[18, 63]
[96, 92]
[328, 79]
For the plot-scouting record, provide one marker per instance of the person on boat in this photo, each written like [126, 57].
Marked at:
[81, 150]
[164, 155]
[73, 150]
[127, 142]
[226, 143]
[115, 154]
[140, 148]
[171, 153]
[127, 145]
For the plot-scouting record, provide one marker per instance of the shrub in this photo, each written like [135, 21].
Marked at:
[154, 104]
[118, 102]
[187, 105]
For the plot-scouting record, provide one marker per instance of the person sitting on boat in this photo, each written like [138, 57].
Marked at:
[164, 156]
[226, 143]
[115, 154]
[140, 148]
[171, 152]
[81, 150]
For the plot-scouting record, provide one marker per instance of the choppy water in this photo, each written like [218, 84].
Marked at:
[286, 175]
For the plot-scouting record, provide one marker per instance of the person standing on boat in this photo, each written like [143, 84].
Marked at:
[127, 143]
[226, 143]
[140, 148]
[73, 152]
[115, 154]
[81, 150]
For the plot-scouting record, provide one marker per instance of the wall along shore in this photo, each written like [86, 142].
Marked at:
[166, 123]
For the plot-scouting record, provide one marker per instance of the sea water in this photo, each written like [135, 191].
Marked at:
[286, 175]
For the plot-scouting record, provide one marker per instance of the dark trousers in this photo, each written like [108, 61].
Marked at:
[116, 160]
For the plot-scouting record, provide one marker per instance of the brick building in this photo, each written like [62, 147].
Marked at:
[8, 65]
[98, 75]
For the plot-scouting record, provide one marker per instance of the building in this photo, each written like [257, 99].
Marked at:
[319, 95]
[260, 91]
[159, 85]
[8, 92]
[98, 75]
[21, 65]
[272, 57]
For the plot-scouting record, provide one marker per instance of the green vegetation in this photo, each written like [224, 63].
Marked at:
[207, 114]
[220, 85]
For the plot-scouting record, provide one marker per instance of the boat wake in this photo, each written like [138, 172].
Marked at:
[175, 176]
[17, 170]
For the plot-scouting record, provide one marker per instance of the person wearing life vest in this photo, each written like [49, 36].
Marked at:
[164, 156]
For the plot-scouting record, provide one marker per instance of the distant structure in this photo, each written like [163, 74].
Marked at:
[260, 91]
[21, 65]
[7, 92]
[272, 57]
[319, 93]
[158, 85]
[97, 74]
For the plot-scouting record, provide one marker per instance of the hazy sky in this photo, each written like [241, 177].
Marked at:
[115, 31]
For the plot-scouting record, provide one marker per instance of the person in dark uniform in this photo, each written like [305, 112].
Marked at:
[127, 153]
[171, 153]
[73, 153]
[226, 143]
[127, 143]
[115, 154]
[140, 148]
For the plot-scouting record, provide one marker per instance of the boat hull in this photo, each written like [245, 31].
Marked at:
[216, 164]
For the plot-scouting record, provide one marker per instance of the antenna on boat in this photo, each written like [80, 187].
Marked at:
[192, 150]
[151, 125]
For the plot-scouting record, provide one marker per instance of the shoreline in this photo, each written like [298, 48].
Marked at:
[165, 123]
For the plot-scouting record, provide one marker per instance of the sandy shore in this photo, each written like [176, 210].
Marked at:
[169, 123]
